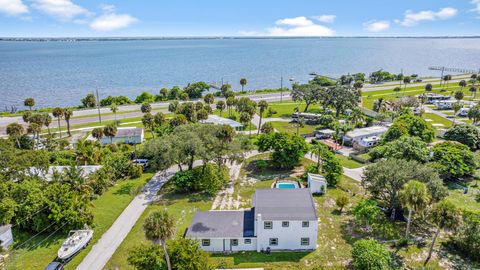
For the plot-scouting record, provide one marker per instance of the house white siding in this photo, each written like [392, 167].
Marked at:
[289, 238]
[226, 245]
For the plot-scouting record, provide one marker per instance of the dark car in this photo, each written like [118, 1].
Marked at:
[54, 266]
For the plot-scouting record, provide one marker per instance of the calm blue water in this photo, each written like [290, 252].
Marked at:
[60, 73]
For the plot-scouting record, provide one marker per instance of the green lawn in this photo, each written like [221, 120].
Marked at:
[437, 119]
[106, 209]
[180, 206]
[349, 162]
[292, 127]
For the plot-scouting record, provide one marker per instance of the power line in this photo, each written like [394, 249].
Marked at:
[50, 235]
[32, 215]
[29, 239]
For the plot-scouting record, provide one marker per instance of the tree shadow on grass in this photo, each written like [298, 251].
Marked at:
[125, 189]
[24, 240]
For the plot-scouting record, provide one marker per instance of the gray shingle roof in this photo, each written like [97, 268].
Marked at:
[129, 132]
[284, 204]
[214, 224]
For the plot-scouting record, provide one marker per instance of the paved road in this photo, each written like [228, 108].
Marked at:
[103, 250]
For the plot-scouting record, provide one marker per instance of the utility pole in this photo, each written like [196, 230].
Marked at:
[98, 103]
[281, 89]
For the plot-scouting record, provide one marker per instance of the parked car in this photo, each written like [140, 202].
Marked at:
[55, 266]
[140, 161]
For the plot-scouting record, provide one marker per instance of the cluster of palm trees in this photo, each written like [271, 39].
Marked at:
[109, 130]
[35, 123]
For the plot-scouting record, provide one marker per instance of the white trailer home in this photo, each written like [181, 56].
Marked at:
[280, 219]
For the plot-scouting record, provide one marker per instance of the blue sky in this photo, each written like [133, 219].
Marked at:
[92, 18]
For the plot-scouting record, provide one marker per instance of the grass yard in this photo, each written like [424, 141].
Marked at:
[437, 119]
[292, 127]
[180, 206]
[349, 162]
[106, 209]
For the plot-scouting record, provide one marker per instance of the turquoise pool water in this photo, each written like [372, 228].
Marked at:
[286, 185]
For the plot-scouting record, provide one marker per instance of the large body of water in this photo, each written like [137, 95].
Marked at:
[60, 73]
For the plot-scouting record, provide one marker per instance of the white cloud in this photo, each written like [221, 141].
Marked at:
[301, 31]
[476, 3]
[64, 10]
[325, 18]
[297, 21]
[412, 18]
[13, 7]
[376, 26]
[111, 21]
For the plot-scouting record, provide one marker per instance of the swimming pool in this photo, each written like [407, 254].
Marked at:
[286, 185]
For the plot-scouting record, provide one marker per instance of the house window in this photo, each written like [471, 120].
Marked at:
[305, 241]
[267, 225]
[247, 241]
[305, 224]
[273, 241]
[205, 242]
[234, 242]
[285, 223]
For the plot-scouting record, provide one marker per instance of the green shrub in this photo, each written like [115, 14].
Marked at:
[370, 255]
[136, 171]
[209, 178]
[261, 165]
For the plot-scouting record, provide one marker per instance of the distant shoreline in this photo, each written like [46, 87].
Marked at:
[79, 39]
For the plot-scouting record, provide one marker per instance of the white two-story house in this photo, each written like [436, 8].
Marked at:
[280, 219]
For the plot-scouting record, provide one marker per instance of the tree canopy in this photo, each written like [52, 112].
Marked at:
[408, 124]
[287, 148]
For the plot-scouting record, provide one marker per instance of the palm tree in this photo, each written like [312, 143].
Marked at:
[462, 84]
[356, 116]
[149, 122]
[97, 133]
[300, 123]
[447, 78]
[29, 102]
[473, 90]
[243, 82]
[110, 131]
[245, 119]
[159, 227]
[84, 151]
[220, 106]
[318, 149]
[47, 120]
[230, 103]
[146, 107]
[344, 129]
[58, 113]
[415, 197]
[406, 80]
[456, 107]
[15, 130]
[35, 130]
[114, 109]
[428, 87]
[209, 98]
[26, 116]
[67, 113]
[444, 216]
[262, 106]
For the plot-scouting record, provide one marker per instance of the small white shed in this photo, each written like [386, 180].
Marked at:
[317, 183]
[6, 237]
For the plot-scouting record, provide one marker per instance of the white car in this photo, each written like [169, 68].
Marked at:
[143, 162]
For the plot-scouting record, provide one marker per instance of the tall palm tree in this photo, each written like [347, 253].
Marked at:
[445, 216]
[29, 102]
[462, 84]
[97, 133]
[35, 130]
[110, 131]
[245, 119]
[456, 107]
[415, 197]
[428, 87]
[300, 123]
[473, 90]
[356, 116]
[58, 113]
[47, 120]
[159, 227]
[67, 114]
[406, 80]
[15, 130]
[262, 106]
[220, 106]
[344, 129]
[318, 149]
[230, 103]
[243, 82]
[114, 109]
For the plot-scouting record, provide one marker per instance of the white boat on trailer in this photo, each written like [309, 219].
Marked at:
[76, 240]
